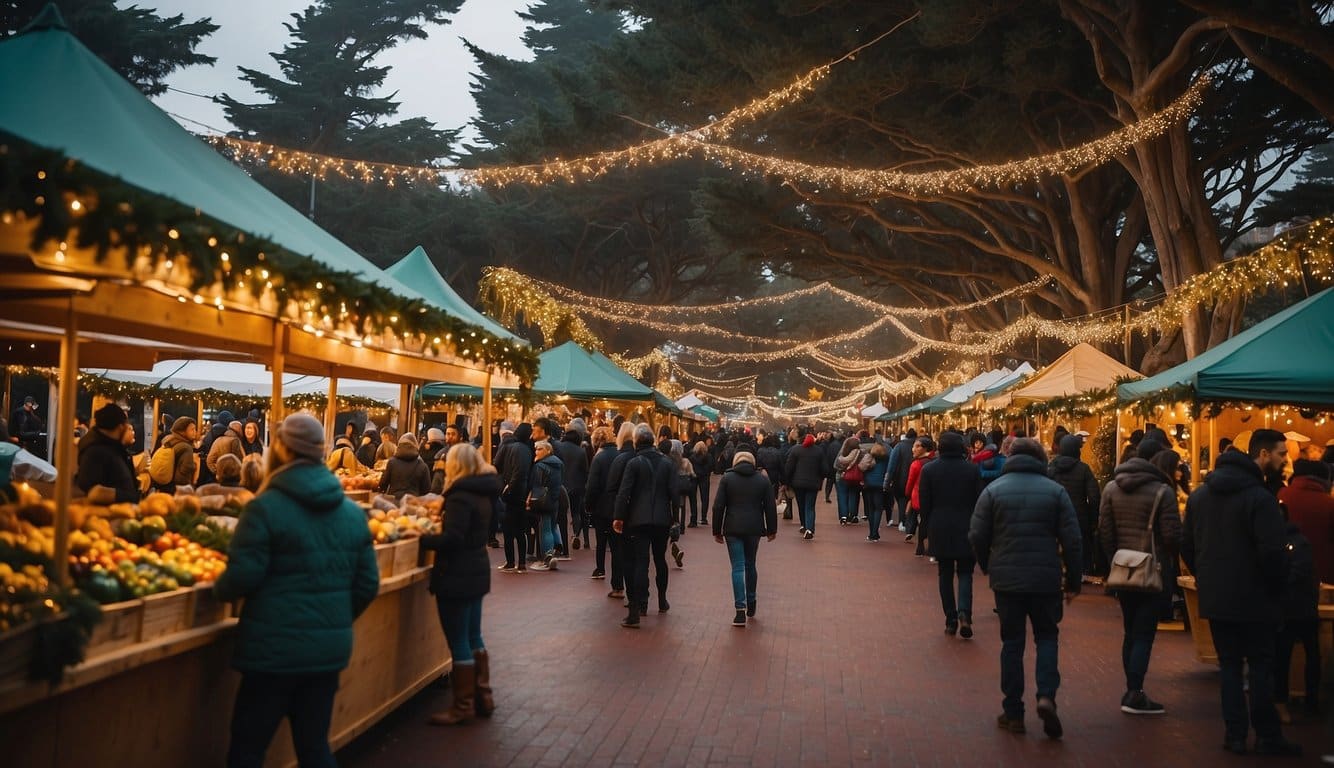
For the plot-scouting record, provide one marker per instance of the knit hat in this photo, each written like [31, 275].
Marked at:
[109, 416]
[408, 439]
[435, 435]
[303, 435]
[577, 425]
[223, 417]
[1148, 448]
[506, 427]
[1071, 445]
[745, 456]
[181, 425]
[808, 441]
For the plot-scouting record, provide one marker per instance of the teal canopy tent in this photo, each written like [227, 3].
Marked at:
[417, 271]
[665, 404]
[1285, 359]
[712, 414]
[567, 371]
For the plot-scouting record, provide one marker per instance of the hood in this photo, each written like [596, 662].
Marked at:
[308, 483]
[553, 461]
[1234, 471]
[745, 469]
[1071, 445]
[524, 433]
[486, 485]
[407, 451]
[1309, 484]
[1024, 463]
[1063, 463]
[1137, 473]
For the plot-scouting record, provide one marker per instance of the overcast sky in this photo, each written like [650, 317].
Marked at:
[431, 76]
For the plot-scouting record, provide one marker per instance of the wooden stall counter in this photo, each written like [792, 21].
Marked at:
[1199, 628]
[168, 701]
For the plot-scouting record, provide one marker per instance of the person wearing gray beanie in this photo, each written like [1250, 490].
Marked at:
[303, 435]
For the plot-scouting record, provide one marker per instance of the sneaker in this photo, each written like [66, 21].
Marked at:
[539, 566]
[1011, 724]
[907, 539]
[750, 608]
[740, 619]
[680, 556]
[1137, 703]
[965, 627]
[631, 621]
[576, 543]
[1279, 747]
[598, 573]
[551, 564]
[1051, 723]
[808, 535]
[506, 568]
[903, 527]
[616, 594]
[801, 531]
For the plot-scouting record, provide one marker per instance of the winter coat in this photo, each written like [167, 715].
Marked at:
[1077, 479]
[207, 475]
[616, 473]
[598, 499]
[514, 460]
[1301, 593]
[1311, 508]
[900, 461]
[104, 461]
[875, 476]
[229, 442]
[388, 449]
[948, 490]
[645, 495]
[770, 459]
[366, 453]
[829, 451]
[1022, 528]
[549, 474]
[1234, 543]
[744, 505]
[462, 568]
[805, 467]
[185, 459]
[1126, 504]
[406, 473]
[343, 457]
[702, 464]
[992, 466]
[911, 488]
[303, 560]
[570, 450]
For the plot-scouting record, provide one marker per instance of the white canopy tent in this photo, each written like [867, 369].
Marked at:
[689, 401]
[964, 392]
[874, 411]
[246, 379]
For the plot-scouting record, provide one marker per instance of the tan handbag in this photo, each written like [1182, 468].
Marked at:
[1136, 571]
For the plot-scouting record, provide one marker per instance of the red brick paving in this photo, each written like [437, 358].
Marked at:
[845, 664]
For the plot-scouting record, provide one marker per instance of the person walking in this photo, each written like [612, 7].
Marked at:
[1023, 531]
[873, 490]
[1235, 545]
[896, 477]
[743, 511]
[805, 473]
[923, 451]
[849, 486]
[461, 577]
[702, 463]
[303, 560]
[625, 442]
[948, 491]
[1137, 503]
[514, 461]
[574, 460]
[829, 448]
[1077, 479]
[545, 486]
[600, 503]
[644, 516]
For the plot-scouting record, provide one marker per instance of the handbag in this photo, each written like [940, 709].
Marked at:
[1136, 571]
[854, 475]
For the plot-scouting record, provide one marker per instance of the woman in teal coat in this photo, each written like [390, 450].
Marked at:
[303, 560]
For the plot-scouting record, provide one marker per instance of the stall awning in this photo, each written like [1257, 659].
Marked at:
[712, 414]
[567, 371]
[874, 411]
[1285, 359]
[246, 379]
[664, 403]
[1082, 369]
[416, 271]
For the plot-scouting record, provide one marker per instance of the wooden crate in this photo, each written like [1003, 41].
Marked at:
[167, 613]
[425, 556]
[206, 609]
[384, 557]
[120, 626]
[1199, 627]
[361, 497]
[405, 555]
[16, 649]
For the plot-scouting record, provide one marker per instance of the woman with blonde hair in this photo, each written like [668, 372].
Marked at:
[598, 499]
[461, 577]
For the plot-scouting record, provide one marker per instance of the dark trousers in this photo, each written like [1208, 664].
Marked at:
[1247, 645]
[947, 570]
[1139, 620]
[702, 488]
[1016, 610]
[516, 540]
[873, 501]
[637, 546]
[263, 700]
[1306, 632]
[577, 521]
[828, 487]
[921, 524]
[689, 498]
[902, 502]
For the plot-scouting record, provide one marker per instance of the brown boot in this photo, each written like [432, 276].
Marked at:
[463, 679]
[486, 704]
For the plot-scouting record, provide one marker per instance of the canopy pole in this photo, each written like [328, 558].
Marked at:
[1195, 451]
[486, 418]
[199, 418]
[157, 427]
[331, 412]
[53, 412]
[5, 410]
[404, 408]
[64, 430]
[1213, 441]
[279, 362]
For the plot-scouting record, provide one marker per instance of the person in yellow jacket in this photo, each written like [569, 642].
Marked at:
[344, 456]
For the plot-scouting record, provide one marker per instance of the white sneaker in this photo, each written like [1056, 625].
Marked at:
[539, 566]
[903, 528]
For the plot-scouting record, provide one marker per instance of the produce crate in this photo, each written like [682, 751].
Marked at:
[167, 613]
[405, 555]
[120, 626]
[384, 557]
[205, 608]
[361, 497]
[16, 649]
[425, 556]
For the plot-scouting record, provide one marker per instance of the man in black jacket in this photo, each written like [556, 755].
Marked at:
[105, 471]
[805, 471]
[643, 517]
[1077, 479]
[1234, 543]
[743, 512]
[514, 460]
[896, 476]
[949, 489]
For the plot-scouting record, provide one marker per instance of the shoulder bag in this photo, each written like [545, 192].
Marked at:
[1136, 571]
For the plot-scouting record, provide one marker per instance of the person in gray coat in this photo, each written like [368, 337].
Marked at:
[1022, 528]
[743, 511]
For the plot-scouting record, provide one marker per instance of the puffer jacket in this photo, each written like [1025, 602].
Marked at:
[229, 442]
[1311, 508]
[1078, 481]
[770, 458]
[805, 467]
[514, 460]
[616, 473]
[744, 505]
[1022, 527]
[406, 473]
[103, 461]
[570, 450]
[1234, 543]
[645, 495]
[1128, 501]
[547, 473]
[702, 463]
[913, 486]
[462, 568]
[900, 461]
[948, 490]
[303, 560]
[600, 502]
[875, 476]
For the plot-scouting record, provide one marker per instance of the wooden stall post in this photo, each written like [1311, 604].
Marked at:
[1195, 452]
[5, 396]
[486, 418]
[52, 413]
[63, 427]
[1213, 441]
[331, 413]
[199, 417]
[404, 408]
[279, 361]
[157, 426]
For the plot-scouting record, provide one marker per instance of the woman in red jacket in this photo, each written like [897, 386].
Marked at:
[923, 450]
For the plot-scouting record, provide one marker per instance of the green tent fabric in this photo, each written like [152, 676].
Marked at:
[568, 371]
[665, 403]
[457, 391]
[712, 414]
[1284, 360]
[417, 271]
[60, 96]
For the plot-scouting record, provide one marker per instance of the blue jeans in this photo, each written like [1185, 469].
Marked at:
[806, 503]
[873, 501]
[263, 700]
[547, 535]
[741, 550]
[848, 497]
[947, 570]
[1016, 610]
[461, 621]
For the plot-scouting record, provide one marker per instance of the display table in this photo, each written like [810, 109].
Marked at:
[1199, 628]
[168, 701]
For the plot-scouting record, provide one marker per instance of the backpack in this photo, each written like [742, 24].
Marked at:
[162, 467]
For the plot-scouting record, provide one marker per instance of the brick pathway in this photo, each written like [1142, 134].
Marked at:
[845, 664]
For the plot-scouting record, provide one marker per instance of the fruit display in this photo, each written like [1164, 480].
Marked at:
[365, 481]
[390, 521]
[111, 568]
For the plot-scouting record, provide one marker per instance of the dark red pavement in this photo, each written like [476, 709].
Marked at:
[845, 664]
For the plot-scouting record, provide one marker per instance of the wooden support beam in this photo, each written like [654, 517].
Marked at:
[62, 424]
[331, 413]
[280, 339]
[486, 418]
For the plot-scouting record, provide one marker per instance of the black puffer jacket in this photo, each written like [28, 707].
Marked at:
[406, 473]
[828, 452]
[570, 450]
[1022, 527]
[598, 497]
[805, 467]
[462, 569]
[948, 492]
[770, 458]
[1076, 478]
[744, 505]
[1127, 502]
[103, 461]
[645, 495]
[1234, 543]
[702, 463]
